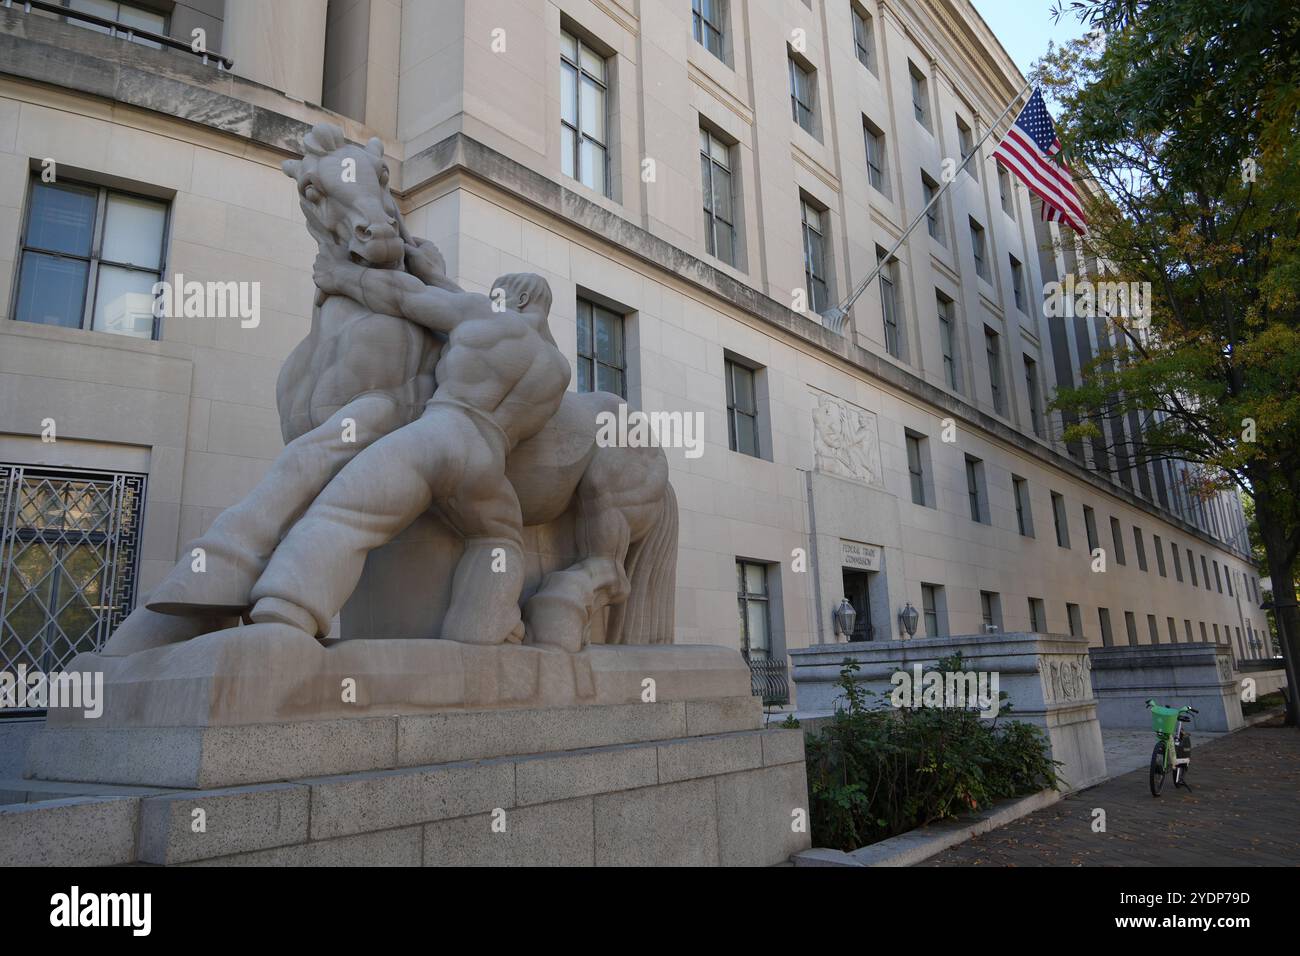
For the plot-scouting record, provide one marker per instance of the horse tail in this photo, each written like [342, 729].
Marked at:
[647, 616]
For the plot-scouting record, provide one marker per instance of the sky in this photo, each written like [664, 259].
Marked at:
[1025, 26]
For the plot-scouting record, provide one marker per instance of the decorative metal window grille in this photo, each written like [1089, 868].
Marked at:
[69, 551]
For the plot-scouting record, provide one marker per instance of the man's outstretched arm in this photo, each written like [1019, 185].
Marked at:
[395, 292]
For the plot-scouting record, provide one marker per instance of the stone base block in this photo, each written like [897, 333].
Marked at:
[1045, 677]
[1175, 675]
[205, 757]
[719, 796]
[267, 673]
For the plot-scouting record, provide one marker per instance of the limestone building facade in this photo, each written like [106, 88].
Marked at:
[698, 180]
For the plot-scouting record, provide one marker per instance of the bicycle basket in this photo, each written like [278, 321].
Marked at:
[1164, 719]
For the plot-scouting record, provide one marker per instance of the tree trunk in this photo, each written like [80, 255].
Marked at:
[1281, 554]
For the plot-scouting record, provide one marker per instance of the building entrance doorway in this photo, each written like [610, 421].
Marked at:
[857, 588]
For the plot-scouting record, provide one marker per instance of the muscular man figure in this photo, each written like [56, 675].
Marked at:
[500, 379]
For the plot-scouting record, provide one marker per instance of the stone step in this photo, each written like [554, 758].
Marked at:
[732, 798]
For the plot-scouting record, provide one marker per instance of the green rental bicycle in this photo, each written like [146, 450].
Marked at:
[1173, 751]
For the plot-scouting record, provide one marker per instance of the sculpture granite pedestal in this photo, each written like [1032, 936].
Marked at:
[505, 688]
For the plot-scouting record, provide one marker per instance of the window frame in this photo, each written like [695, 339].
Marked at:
[808, 76]
[889, 307]
[993, 352]
[735, 414]
[701, 25]
[602, 82]
[744, 597]
[912, 443]
[94, 259]
[709, 162]
[596, 363]
[864, 37]
[948, 341]
[814, 232]
[979, 249]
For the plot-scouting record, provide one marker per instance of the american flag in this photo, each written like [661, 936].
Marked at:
[1029, 150]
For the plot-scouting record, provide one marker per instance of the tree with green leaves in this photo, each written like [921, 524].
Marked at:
[1186, 115]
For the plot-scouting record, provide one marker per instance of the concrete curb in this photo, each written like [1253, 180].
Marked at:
[922, 843]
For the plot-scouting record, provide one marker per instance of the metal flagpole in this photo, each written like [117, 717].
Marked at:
[835, 317]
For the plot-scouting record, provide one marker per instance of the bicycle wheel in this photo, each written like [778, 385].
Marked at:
[1157, 769]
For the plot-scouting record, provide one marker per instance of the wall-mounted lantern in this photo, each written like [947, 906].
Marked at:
[908, 617]
[845, 617]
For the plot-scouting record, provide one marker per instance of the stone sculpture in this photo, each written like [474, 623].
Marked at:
[410, 395]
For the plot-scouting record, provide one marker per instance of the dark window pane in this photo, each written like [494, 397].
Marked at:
[584, 328]
[51, 291]
[609, 379]
[609, 338]
[62, 219]
[584, 375]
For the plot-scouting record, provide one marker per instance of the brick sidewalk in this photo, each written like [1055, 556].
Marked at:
[1243, 810]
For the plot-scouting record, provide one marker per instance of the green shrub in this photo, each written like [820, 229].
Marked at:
[876, 771]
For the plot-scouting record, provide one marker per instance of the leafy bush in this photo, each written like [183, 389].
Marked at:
[877, 771]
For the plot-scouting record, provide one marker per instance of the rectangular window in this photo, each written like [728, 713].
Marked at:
[1031, 389]
[814, 257]
[1060, 520]
[72, 541]
[1205, 636]
[876, 164]
[1178, 561]
[993, 350]
[1172, 628]
[742, 409]
[1090, 525]
[1205, 573]
[602, 362]
[1131, 628]
[803, 92]
[1018, 283]
[1191, 567]
[1227, 580]
[889, 304]
[1153, 629]
[755, 617]
[1107, 637]
[708, 18]
[1158, 547]
[916, 466]
[1187, 627]
[975, 489]
[977, 245]
[719, 199]
[919, 104]
[1139, 547]
[1005, 193]
[1218, 583]
[930, 610]
[991, 610]
[1117, 539]
[1037, 616]
[966, 143]
[947, 342]
[933, 225]
[1024, 512]
[1216, 633]
[90, 258]
[1075, 618]
[126, 14]
[863, 38]
[584, 111]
